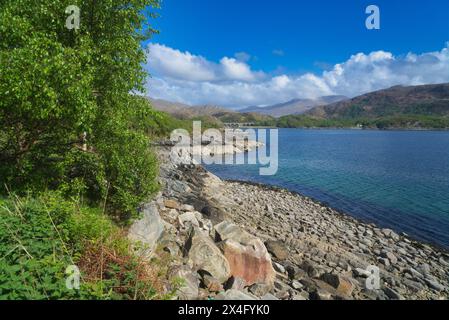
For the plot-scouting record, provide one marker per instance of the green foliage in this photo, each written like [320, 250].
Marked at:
[71, 122]
[32, 248]
[235, 117]
[407, 121]
[88, 224]
[64, 89]
[301, 121]
[354, 111]
[207, 122]
[131, 168]
[160, 124]
[40, 237]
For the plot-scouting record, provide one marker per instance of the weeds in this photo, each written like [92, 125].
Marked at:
[40, 237]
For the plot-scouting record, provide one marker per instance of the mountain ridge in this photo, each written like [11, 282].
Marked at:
[182, 110]
[399, 100]
[422, 106]
[294, 106]
[209, 113]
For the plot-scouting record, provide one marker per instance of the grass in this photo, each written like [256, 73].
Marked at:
[43, 235]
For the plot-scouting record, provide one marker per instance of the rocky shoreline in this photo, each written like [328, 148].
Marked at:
[239, 241]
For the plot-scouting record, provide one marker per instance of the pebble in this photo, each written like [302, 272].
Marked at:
[319, 240]
[435, 285]
[390, 256]
[392, 294]
[384, 261]
[278, 267]
[297, 285]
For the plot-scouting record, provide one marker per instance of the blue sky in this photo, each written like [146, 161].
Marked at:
[297, 40]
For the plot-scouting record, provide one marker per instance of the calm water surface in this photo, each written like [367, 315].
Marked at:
[396, 179]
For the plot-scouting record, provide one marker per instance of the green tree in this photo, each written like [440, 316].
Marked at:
[67, 106]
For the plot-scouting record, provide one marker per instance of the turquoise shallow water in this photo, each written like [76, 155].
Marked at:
[396, 179]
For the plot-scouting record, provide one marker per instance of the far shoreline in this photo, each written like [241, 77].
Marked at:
[353, 129]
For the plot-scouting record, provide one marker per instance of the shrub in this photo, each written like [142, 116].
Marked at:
[63, 89]
[40, 237]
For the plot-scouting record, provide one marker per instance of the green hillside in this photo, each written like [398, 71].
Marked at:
[416, 107]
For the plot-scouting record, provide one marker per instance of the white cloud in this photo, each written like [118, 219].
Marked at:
[170, 63]
[237, 70]
[184, 77]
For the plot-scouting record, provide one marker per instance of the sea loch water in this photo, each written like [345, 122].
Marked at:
[396, 179]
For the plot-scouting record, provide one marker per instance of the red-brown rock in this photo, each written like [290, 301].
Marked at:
[247, 255]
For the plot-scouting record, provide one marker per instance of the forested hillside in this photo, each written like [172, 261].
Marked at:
[416, 107]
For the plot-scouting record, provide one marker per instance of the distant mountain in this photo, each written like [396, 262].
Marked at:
[399, 107]
[211, 113]
[296, 106]
[184, 111]
[425, 100]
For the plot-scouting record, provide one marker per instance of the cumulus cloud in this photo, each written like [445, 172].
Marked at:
[168, 63]
[237, 70]
[188, 78]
